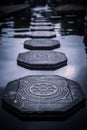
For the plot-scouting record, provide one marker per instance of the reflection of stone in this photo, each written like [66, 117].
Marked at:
[42, 34]
[42, 60]
[41, 44]
[39, 94]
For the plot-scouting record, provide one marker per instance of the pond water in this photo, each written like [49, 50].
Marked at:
[69, 29]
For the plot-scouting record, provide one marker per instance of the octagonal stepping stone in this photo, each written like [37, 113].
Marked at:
[41, 28]
[41, 24]
[42, 34]
[44, 96]
[40, 20]
[41, 44]
[42, 60]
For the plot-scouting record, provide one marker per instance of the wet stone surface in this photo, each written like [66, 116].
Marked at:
[42, 34]
[42, 95]
[42, 60]
[41, 44]
[41, 24]
[41, 28]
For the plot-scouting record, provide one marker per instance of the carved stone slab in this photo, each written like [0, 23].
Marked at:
[41, 28]
[42, 34]
[41, 24]
[42, 95]
[43, 60]
[41, 44]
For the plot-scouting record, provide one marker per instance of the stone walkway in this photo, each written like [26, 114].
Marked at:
[42, 95]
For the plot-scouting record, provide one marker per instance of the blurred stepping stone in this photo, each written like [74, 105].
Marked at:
[42, 60]
[42, 34]
[55, 17]
[45, 96]
[40, 20]
[41, 28]
[41, 44]
[41, 24]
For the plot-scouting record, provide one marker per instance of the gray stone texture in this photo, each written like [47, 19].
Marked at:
[43, 95]
[41, 44]
[41, 28]
[41, 24]
[42, 60]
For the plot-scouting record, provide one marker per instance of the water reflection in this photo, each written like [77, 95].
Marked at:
[72, 25]
[18, 26]
[9, 27]
[70, 71]
[21, 23]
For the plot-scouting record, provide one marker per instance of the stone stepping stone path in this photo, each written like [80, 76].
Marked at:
[43, 95]
[41, 28]
[42, 34]
[42, 60]
[41, 44]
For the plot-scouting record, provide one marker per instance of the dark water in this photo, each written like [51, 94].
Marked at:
[69, 29]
